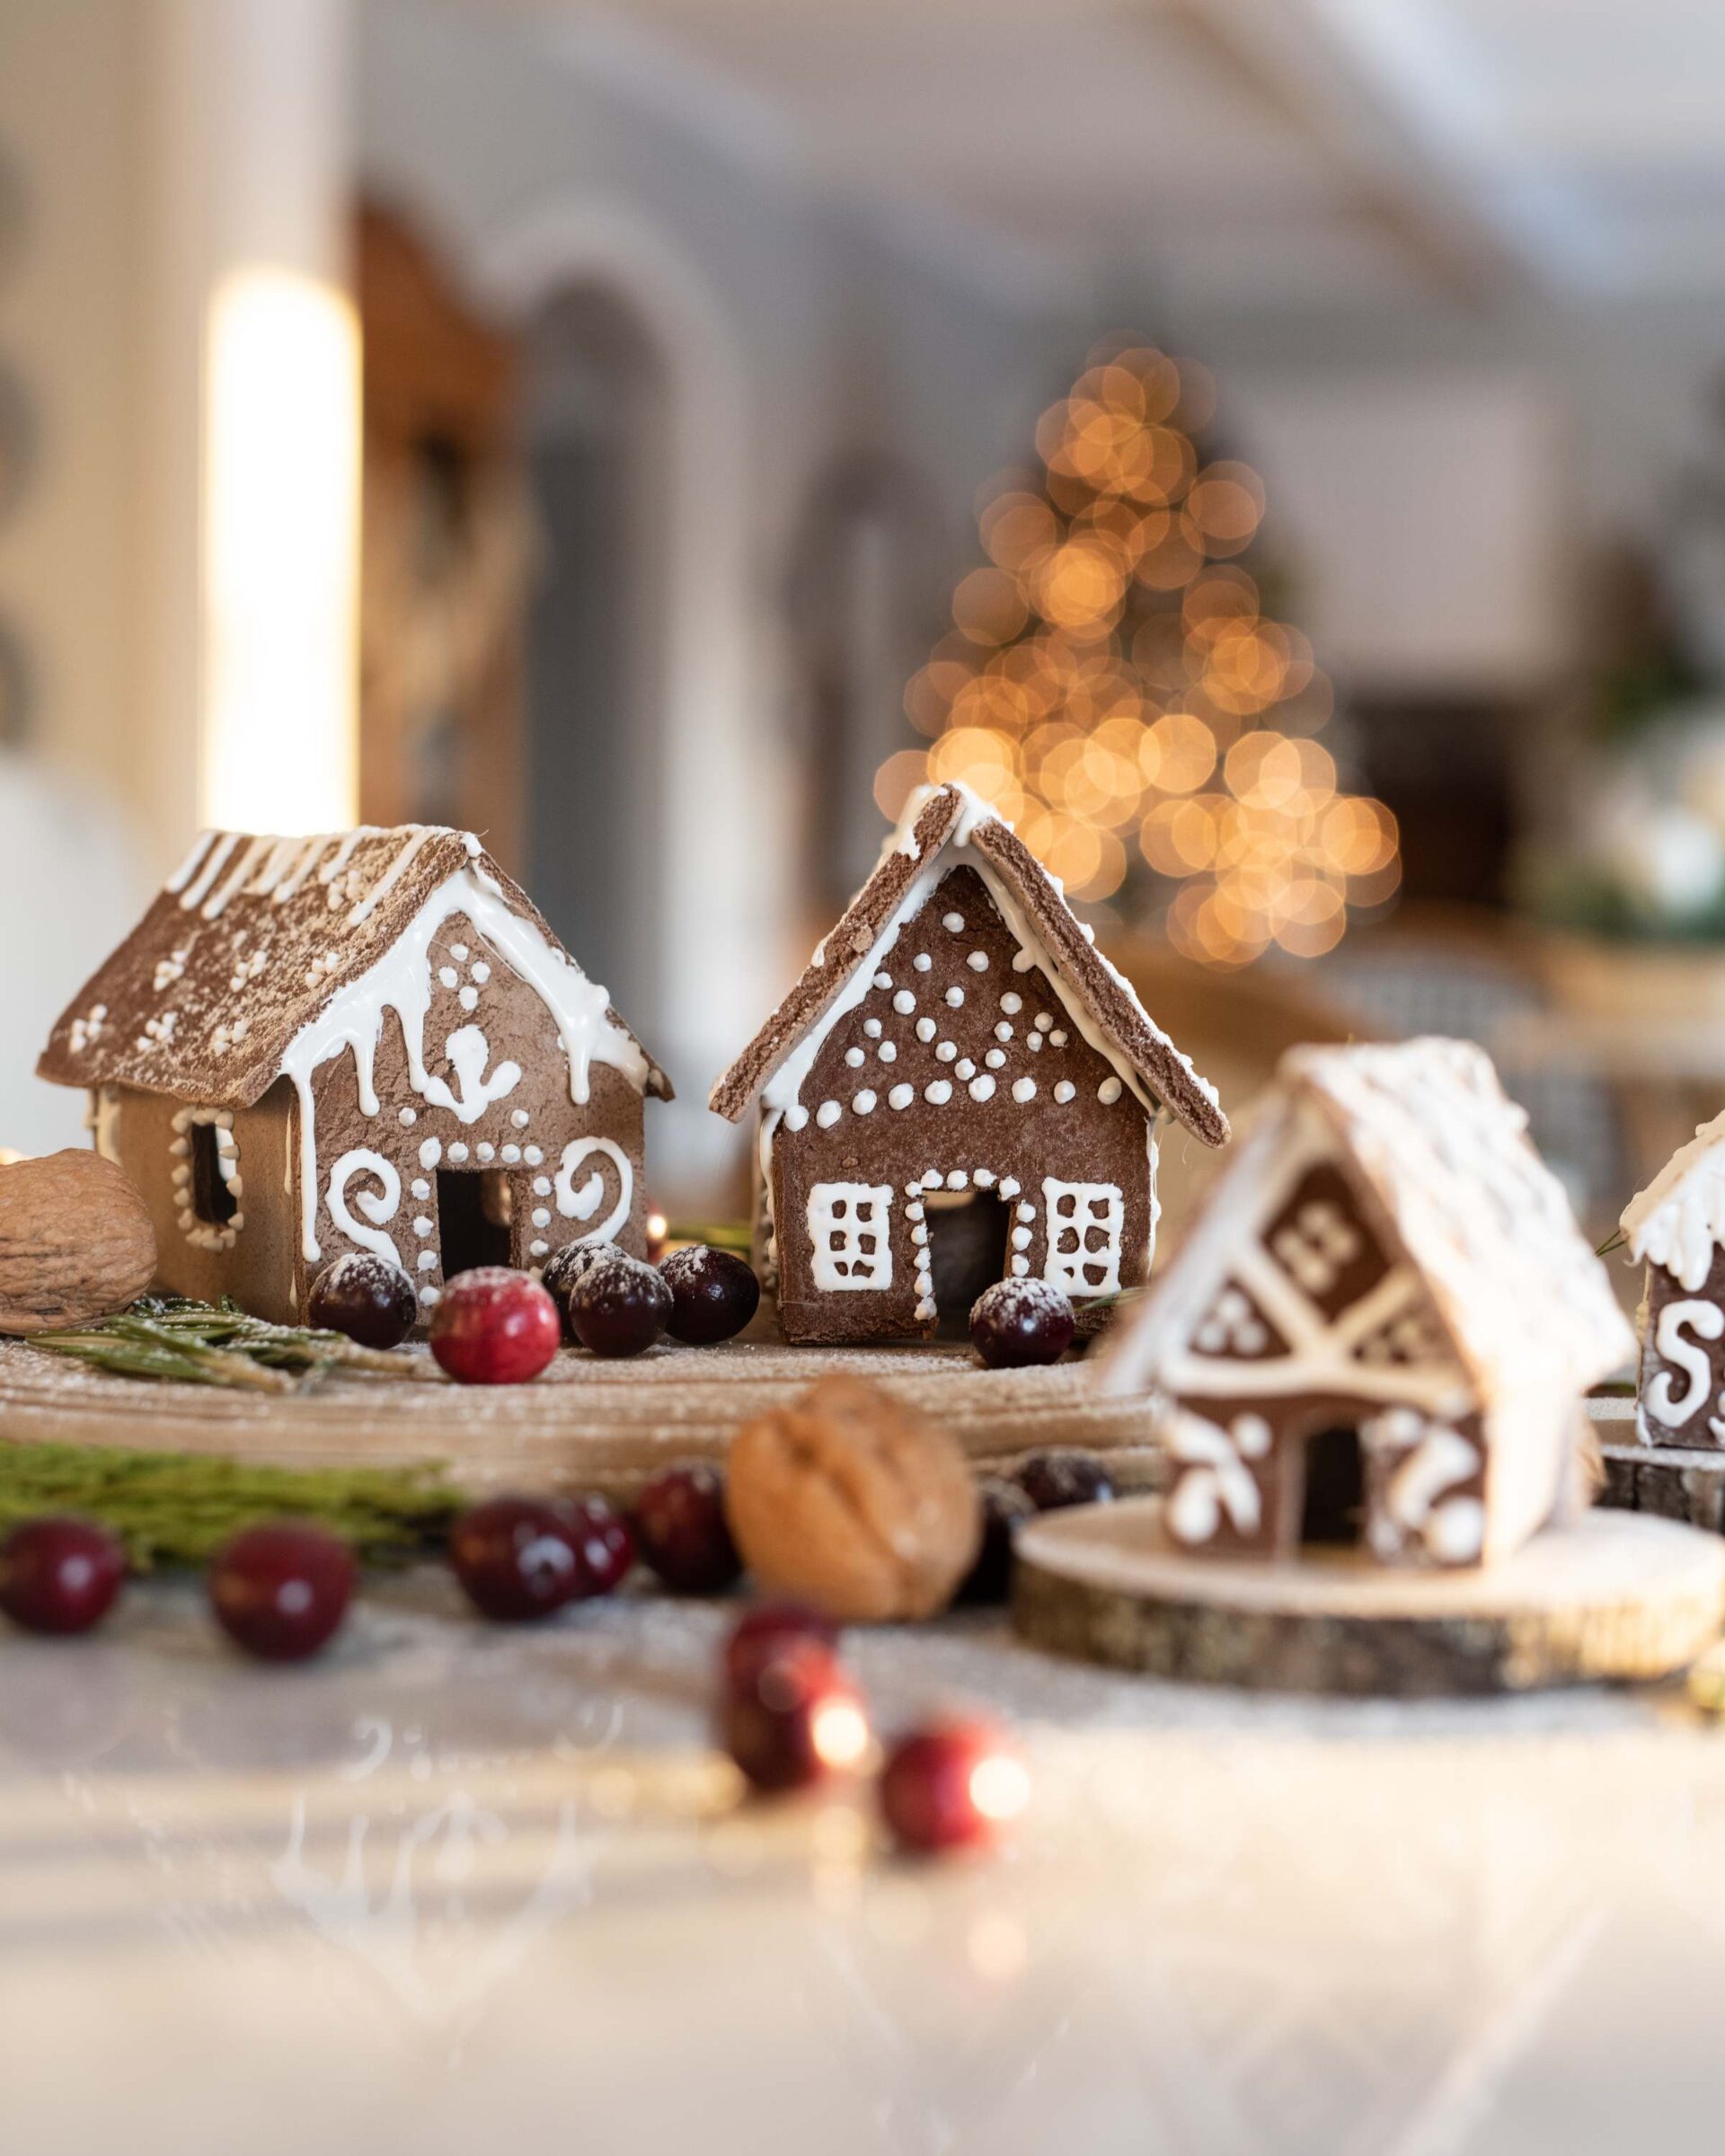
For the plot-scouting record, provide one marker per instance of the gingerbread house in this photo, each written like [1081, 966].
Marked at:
[1378, 1328]
[1676, 1228]
[363, 1042]
[957, 1061]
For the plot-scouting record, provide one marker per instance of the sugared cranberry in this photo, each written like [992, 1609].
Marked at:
[619, 1307]
[1064, 1476]
[59, 1574]
[280, 1590]
[366, 1297]
[682, 1533]
[565, 1269]
[603, 1542]
[516, 1558]
[494, 1327]
[1004, 1508]
[794, 1719]
[954, 1785]
[714, 1294]
[1016, 1323]
[766, 1630]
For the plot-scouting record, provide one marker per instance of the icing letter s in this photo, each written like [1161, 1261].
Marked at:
[1707, 1321]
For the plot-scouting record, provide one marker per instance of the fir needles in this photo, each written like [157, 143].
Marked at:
[217, 1344]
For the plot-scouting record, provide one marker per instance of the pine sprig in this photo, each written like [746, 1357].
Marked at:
[217, 1344]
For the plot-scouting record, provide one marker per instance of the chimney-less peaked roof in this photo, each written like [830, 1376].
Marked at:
[253, 941]
[945, 828]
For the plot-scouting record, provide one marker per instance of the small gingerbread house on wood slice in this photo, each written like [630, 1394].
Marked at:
[1378, 1329]
[959, 1076]
[370, 1041]
[1676, 1228]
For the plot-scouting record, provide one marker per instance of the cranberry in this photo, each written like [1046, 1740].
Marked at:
[366, 1297]
[603, 1542]
[516, 1558]
[565, 1267]
[1064, 1476]
[794, 1719]
[1016, 1323]
[682, 1533]
[619, 1307]
[953, 1785]
[59, 1574]
[280, 1590]
[1004, 1507]
[714, 1294]
[494, 1327]
[766, 1630]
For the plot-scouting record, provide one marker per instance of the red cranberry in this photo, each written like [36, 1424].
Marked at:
[794, 1719]
[620, 1307]
[1004, 1507]
[954, 1785]
[494, 1327]
[682, 1533]
[714, 1294]
[517, 1557]
[59, 1574]
[1064, 1476]
[366, 1297]
[565, 1267]
[603, 1542]
[1016, 1323]
[762, 1632]
[280, 1590]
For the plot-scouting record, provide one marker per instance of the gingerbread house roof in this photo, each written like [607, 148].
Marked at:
[1678, 1220]
[1442, 1158]
[942, 827]
[259, 948]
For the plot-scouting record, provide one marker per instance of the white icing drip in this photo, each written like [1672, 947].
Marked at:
[311, 852]
[182, 875]
[216, 905]
[197, 890]
[422, 835]
[1678, 1220]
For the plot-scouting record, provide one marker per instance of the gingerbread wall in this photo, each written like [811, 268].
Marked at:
[1683, 1359]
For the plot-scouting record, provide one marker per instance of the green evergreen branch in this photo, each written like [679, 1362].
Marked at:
[217, 1344]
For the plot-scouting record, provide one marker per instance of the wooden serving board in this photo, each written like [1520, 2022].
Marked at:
[584, 1424]
[1615, 1596]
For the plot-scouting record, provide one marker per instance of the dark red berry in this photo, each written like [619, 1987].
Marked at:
[1016, 1323]
[1004, 1508]
[280, 1590]
[59, 1574]
[366, 1297]
[682, 1533]
[604, 1544]
[517, 1557]
[1064, 1476]
[954, 1785]
[494, 1327]
[766, 1630]
[620, 1307]
[714, 1294]
[565, 1267]
[794, 1719]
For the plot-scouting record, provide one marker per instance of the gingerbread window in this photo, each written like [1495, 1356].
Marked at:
[850, 1229]
[1084, 1225]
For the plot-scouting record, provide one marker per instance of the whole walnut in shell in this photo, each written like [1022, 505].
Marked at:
[853, 1502]
[75, 1241]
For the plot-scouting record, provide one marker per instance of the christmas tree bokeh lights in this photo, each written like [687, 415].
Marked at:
[1114, 685]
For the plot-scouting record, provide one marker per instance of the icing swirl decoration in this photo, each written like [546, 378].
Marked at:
[582, 1204]
[377, 1205]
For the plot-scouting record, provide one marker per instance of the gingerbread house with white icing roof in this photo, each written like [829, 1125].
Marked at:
[1676, 1228]
[1378, 1328]
[366, 1041]
[956, 1046]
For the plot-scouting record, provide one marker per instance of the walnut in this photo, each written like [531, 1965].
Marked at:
[854, 1502]
[75, 1241]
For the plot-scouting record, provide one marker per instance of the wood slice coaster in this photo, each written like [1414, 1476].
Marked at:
[1677, 1482]
[1613, 1597]
[584, 1424]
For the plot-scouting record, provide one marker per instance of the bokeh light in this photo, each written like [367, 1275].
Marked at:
[1114, 685]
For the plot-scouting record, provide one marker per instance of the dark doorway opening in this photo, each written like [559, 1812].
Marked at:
[212, 1199]
[474, 1219]
[967, 1252]
[1333, 1513]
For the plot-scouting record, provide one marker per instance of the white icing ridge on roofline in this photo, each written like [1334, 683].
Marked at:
[400, 981]
[1678, 1220]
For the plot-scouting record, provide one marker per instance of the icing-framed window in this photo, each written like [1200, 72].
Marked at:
[850, 1236]
[207, 1183]
[1086, 1223]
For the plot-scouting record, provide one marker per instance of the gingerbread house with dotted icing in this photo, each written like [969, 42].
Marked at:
[369, 1041]
[1676, 1228]
[1378, 1329]
[957, 1043]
